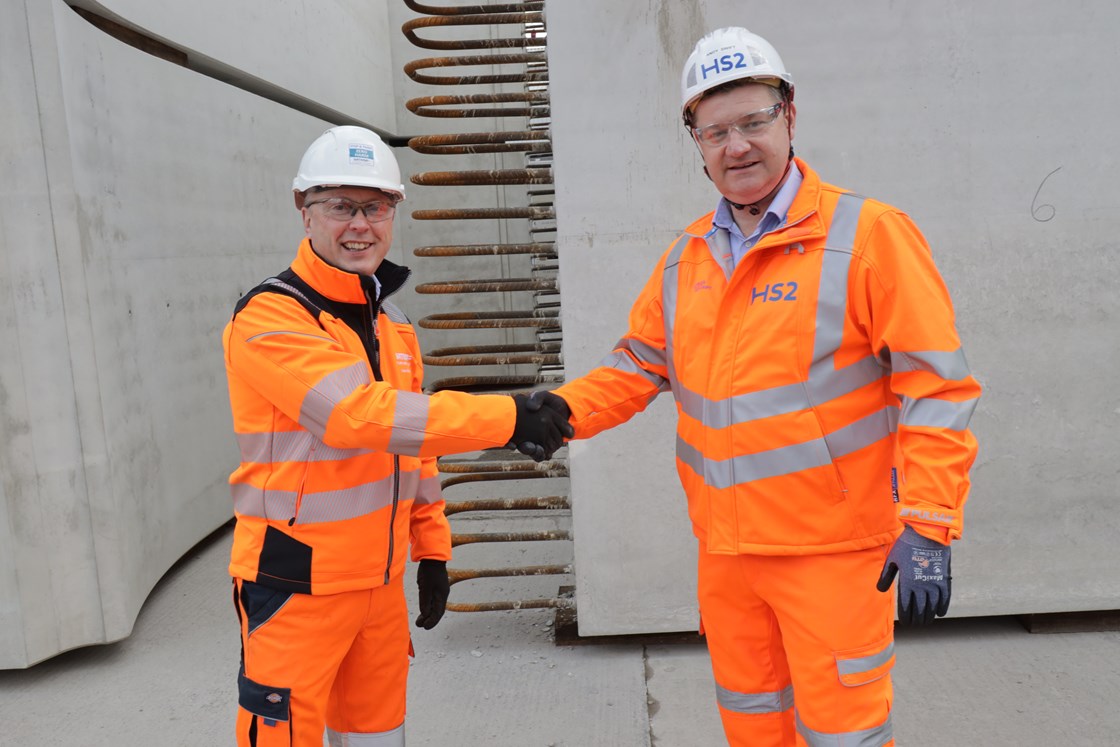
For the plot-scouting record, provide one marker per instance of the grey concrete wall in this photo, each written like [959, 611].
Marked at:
[142, 200]
[991, 124]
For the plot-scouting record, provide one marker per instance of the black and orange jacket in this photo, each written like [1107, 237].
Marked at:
[338, 446]
[821, 390]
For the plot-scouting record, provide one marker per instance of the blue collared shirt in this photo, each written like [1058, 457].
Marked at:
[774, 218]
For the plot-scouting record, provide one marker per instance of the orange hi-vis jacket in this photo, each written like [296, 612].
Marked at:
[338, 446]
[821, 389]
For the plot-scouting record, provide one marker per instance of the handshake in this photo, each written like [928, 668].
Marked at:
[542, 424]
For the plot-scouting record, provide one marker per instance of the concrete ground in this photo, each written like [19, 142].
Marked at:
[497, 679]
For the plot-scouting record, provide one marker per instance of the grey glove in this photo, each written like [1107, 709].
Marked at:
[542, 425]
[924, 582]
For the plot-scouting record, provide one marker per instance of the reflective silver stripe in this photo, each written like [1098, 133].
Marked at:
[624, 362]
[950, 365]
[865, 663]
[779, 400]
[832, 297]
[937, 413]
[290, 446]
[725, 473]
[394, 738]
[330, 505]
[394, 313]
[289, 332]
[410, 422]
[669, 283]
[642, 352]
[776, 701]
[721, 474]
[319, 402]
[719, 244]
[860, 433]
[876, 736]
[429, 491]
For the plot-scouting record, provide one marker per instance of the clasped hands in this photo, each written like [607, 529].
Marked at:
[542, 424]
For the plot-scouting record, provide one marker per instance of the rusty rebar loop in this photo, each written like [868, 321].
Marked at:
[476, 466]
[492, 384]
[543, 319]
[455, 575]
[538, 59]
[496, 476]
[494, 285]
[434, 106]
[535, 503]
[544, 535]
[563, 603]
[539, 249]
[530, 213]
[532, 141]
[459, 10]
[536, 175]
[480, 19]
[495, 359]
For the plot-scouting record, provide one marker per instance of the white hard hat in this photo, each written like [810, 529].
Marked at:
[349, 156]
[728, 54]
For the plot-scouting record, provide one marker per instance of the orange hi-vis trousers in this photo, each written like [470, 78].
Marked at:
[338, 661]
[801, 646]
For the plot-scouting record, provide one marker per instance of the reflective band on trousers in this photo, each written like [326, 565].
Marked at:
[876, 736]
[768, 702]
[865, 664]
[329, 505]
[394, 738]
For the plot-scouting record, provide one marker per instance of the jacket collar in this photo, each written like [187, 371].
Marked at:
[346, 287]
[804, 211]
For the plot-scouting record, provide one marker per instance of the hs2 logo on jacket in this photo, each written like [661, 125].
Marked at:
[774, 292]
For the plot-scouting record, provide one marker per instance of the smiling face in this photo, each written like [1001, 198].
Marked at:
[355, 245]
[746, 169]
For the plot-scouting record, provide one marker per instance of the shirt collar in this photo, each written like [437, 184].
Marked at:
[775, 215]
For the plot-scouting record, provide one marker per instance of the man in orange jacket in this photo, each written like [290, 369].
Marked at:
[338, 465]
[823, 403]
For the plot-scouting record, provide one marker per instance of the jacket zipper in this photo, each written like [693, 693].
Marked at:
[373, 308]
[302, 482]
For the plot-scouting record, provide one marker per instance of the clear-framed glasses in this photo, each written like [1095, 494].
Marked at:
[343, 210]
[749, 126]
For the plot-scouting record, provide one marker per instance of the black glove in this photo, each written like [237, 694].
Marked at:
[924, 583]
[431, 579]
[540, 430]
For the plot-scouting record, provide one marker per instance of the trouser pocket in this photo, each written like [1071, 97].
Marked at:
[264, 719]
[260, 603]
[865, 664]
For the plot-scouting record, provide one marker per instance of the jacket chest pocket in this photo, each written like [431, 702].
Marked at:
[775, 306]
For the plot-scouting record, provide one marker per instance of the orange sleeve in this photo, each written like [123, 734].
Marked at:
[631, 376]
[902, 303]
[277, 349]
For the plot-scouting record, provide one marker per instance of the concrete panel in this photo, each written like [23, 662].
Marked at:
[334, 52]
[148, 199]
[989, 124]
